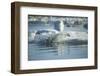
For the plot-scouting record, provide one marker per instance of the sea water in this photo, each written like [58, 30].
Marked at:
[36, 52]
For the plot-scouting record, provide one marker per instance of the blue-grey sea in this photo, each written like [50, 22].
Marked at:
[61, 52]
